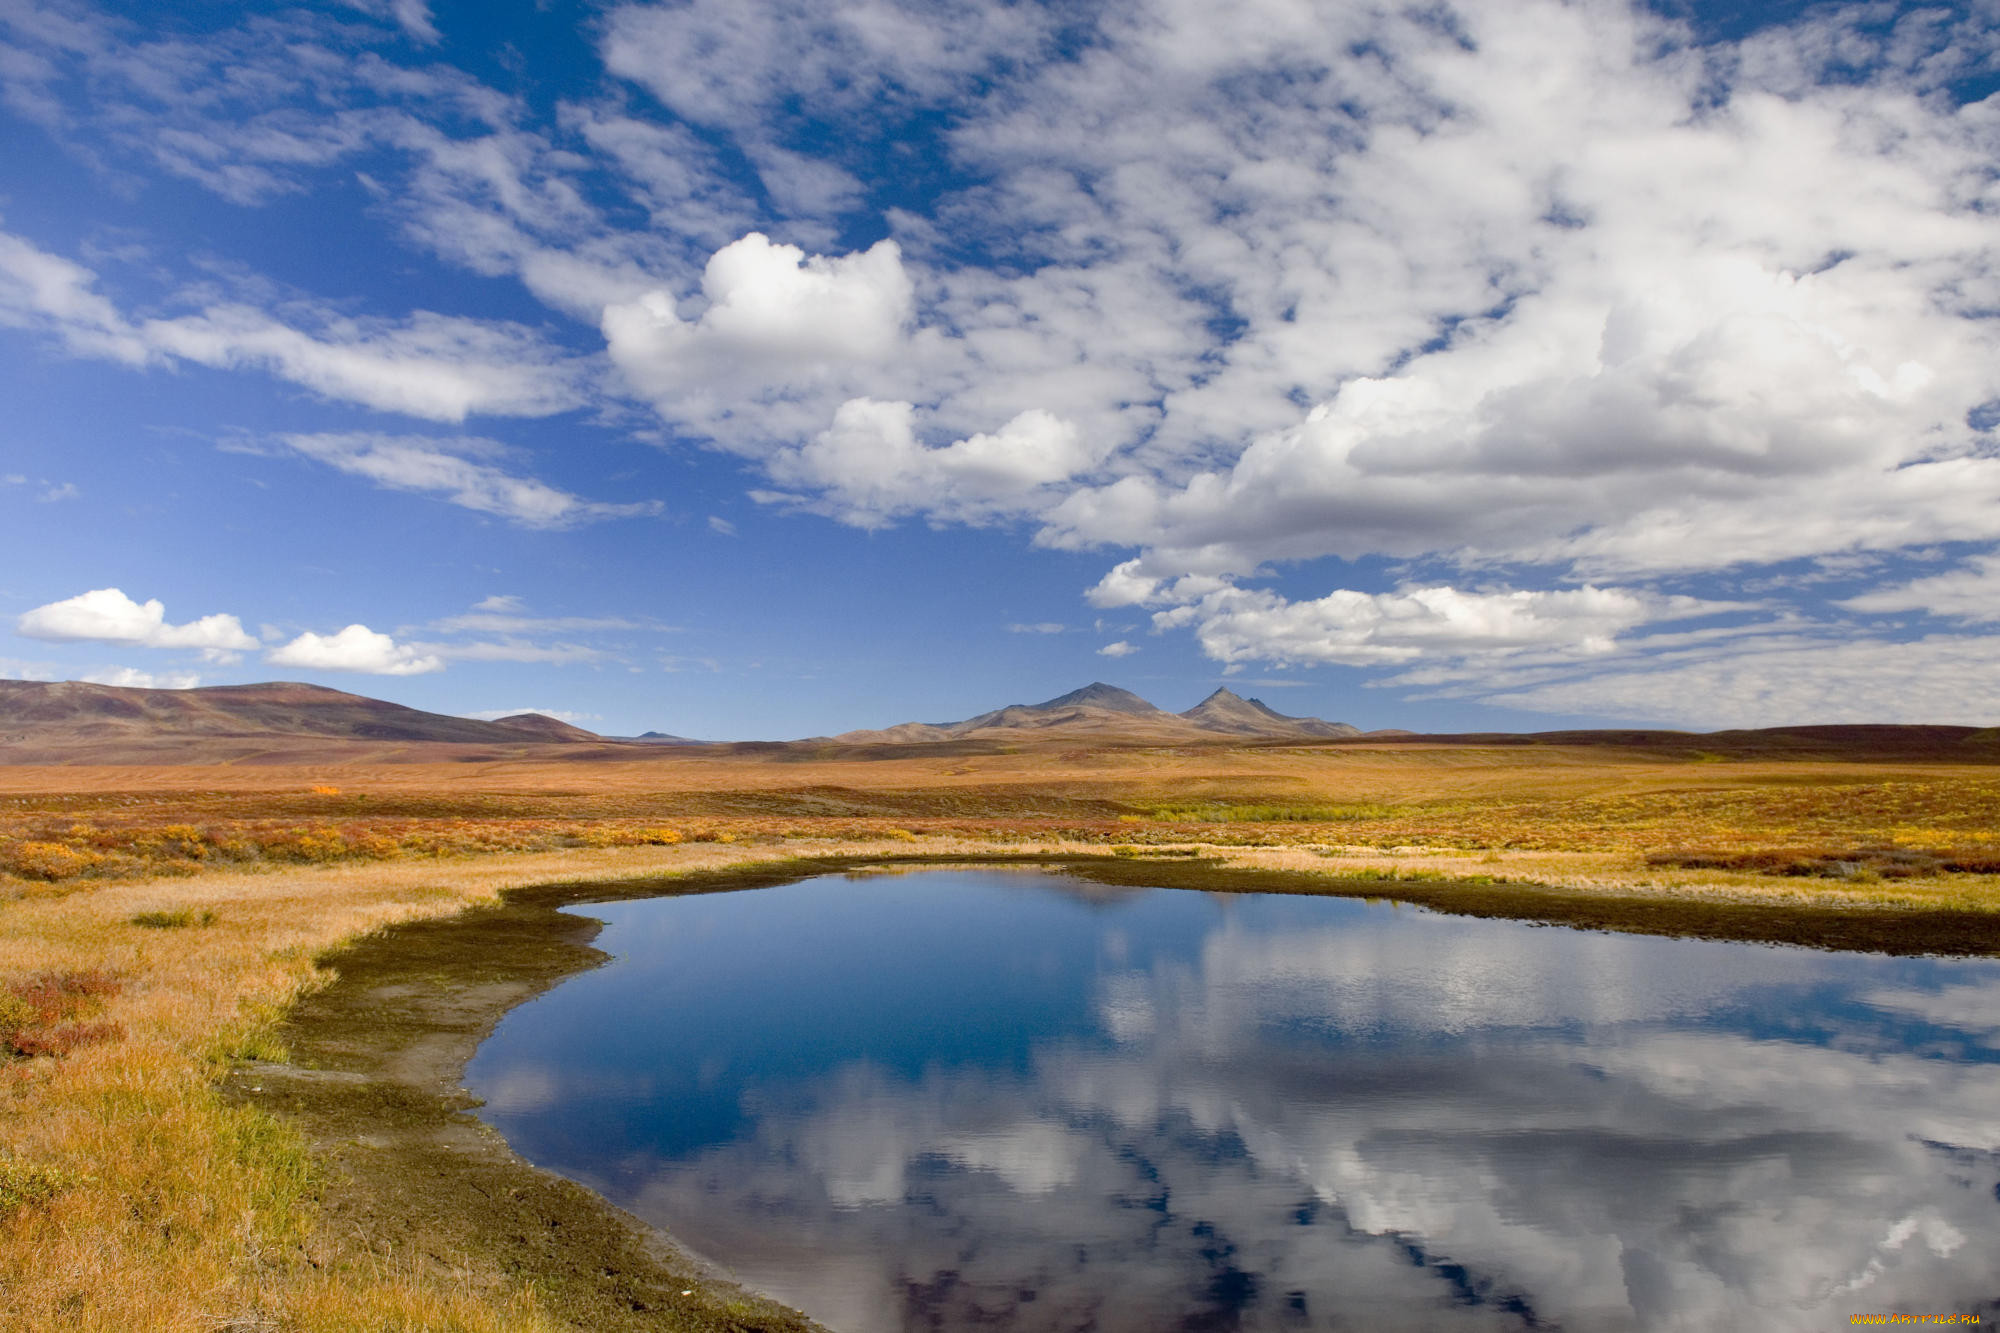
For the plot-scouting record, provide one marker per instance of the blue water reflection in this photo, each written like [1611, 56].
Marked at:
[1017, 1100]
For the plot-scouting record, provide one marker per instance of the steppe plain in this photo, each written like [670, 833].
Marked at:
[238, 991]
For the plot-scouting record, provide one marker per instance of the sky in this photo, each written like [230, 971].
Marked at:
[756, 369]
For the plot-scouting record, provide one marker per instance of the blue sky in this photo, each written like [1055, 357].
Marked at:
[754, 368]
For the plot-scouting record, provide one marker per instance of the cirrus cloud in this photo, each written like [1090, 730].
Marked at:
[458, 471]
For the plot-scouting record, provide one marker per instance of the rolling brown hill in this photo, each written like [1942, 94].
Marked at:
[74, 722]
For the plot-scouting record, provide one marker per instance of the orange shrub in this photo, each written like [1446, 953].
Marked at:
[50, 861]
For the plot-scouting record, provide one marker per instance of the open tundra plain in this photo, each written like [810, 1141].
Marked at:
[198, 1131]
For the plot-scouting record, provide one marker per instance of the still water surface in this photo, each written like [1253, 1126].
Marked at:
[1015, 1100]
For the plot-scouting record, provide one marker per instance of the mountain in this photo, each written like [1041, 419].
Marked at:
[1106, 713]
[283, 721]
[1099, 695]
[1225, 710]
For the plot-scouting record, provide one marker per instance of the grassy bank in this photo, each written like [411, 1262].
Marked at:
[136, 1195]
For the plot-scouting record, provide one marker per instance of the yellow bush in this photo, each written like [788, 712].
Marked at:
[323, 790]
[49, 860]
[627, 837]
[307, 844]
[182, 842]
[376, 847]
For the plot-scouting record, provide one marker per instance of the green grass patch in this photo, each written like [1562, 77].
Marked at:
[178, 919]
[23, 1185]
[1223, 812]
[1381, 875]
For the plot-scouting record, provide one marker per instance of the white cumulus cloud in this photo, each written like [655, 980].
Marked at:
[107, 615]
[356, 648]
[868, 467]
[780, 340]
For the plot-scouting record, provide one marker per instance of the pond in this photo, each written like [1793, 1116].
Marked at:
[1017, 1100]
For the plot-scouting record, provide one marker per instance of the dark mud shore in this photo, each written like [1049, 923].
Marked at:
[377, 1058]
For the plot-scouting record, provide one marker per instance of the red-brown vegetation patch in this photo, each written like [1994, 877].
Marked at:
[53, 1013]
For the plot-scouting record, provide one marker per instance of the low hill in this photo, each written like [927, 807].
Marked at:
[75, 722]
[543, 727]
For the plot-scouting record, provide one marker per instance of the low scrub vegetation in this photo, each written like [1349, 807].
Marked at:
[53, 1013]
[81, 852]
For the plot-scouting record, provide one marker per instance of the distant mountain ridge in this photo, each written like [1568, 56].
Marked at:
[1106, 712]
[77, 722]
[288, 723]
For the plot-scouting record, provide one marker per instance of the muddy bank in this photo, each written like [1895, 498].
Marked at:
[377, 1059]
[373, 1079]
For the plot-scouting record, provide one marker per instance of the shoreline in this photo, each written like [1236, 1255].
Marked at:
[374, 1077]
[374, 1080]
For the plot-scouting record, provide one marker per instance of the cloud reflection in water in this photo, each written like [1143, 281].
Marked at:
[1284, 1113]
